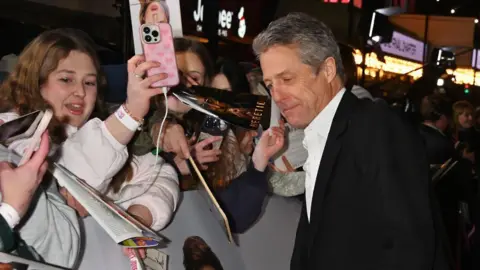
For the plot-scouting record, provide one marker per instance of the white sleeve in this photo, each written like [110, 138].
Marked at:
[52, 229]
[93, 154]
[155, 187]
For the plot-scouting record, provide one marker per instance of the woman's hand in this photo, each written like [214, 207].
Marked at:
[204, 156]
[18, 185]
[270, 143]
[182, 165]
[144, 216]
[139, 90]
[201, 155]
[172, 139]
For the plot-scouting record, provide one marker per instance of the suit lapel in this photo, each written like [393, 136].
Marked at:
[329, 157]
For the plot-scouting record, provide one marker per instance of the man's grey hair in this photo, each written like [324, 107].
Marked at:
[314, 39]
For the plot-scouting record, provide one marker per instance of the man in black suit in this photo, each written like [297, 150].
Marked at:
[436, 110]
[367, 203]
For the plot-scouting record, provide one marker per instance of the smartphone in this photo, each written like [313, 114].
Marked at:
[213, 126]
[37, 136]
[30, 126]
[20, 128]
[157, 43]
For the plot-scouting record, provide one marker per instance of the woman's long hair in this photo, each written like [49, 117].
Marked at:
[235, 75]
[20, 92]
[231, 152]
[224, 170]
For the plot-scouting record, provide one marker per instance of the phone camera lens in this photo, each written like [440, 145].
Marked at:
[146, 30]
[155, 33]
[148, 38]
[212, 123]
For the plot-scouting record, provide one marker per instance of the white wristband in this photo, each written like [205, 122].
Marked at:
[9, 214]
[126, 119]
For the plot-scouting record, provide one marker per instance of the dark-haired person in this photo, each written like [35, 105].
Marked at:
[436, 111]
[230, 76]
[351, 77]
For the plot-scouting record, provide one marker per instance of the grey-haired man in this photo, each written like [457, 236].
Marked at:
[367, 203]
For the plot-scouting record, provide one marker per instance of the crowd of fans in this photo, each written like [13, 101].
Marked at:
[60, 70]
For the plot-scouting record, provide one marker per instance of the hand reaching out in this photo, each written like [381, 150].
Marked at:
[172, 139]
[270, 143]
[18, 185]
[139, 90]
[203, 155]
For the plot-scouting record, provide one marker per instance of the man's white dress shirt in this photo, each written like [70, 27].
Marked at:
[316, 135]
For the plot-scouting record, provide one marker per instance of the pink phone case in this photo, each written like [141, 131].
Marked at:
[163, 52]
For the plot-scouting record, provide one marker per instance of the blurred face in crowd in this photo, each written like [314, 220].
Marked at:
[155, 13]
[300, 92]
[71, 89]
[442, 123]
[220, 81]
[466, 119]
[190, 66]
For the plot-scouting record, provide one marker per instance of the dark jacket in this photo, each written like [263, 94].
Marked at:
[7, 238]
[243, 199]
[372, 207]
[439, 147]
[10, 242]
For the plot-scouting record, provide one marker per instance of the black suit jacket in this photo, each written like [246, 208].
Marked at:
[439, 147]
[371, 207]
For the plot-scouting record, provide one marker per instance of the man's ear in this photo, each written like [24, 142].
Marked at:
[329, 69]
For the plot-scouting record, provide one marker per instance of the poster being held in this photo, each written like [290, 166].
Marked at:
[154, 11]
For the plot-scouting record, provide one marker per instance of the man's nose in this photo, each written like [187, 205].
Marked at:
[279, 95]
[276, 93]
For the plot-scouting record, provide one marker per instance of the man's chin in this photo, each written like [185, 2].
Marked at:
[296, 122]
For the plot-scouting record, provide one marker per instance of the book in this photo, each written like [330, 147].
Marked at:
[244, 110]
[212, 202]
[12, 262]
[293, 155]
[119, 225]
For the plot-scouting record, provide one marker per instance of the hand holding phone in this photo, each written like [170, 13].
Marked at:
[37, 136]
[213, 127]
[20, 128]
[26, 127]
[205, 154]
[18, 185]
